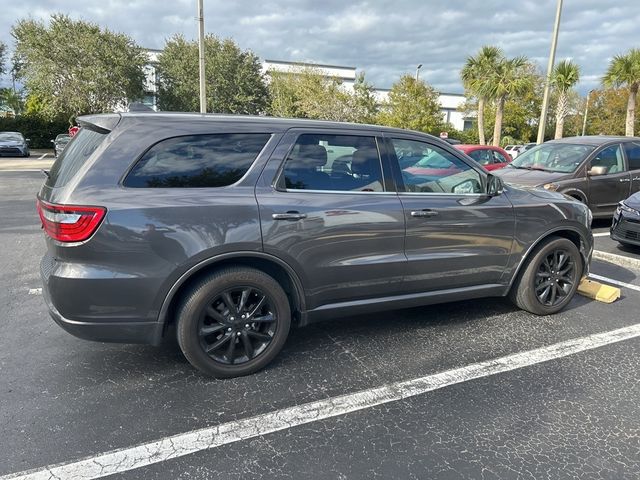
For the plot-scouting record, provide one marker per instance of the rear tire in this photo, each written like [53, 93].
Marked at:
[233, 322]
[549, 278]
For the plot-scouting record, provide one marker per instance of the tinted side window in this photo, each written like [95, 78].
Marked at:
[632, 150]
[482, 156]
[197, 161]
[611, 158]
[333, 162]
[427, 168]
[74, 156]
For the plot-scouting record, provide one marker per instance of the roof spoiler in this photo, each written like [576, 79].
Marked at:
[103, 123]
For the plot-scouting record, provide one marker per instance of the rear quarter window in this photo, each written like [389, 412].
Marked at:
[75, 154]
[197, 161]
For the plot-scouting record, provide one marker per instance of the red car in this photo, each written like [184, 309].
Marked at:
[490, 157]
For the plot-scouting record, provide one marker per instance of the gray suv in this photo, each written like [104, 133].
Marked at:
[226, 230]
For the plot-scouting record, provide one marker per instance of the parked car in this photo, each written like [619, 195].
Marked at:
[60, 143]
[599, 171]
[490, 157]
[526, 147]
[626, 221]
[513, 150]
[13, 144]
[226, 230]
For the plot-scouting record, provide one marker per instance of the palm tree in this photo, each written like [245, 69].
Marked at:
[624, 71]
[564, 77]
[510, 77]
[475, 74]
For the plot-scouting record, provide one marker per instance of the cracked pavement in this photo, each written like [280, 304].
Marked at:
[63, 399]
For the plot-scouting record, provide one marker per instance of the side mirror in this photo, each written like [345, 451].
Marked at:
[52, 141]
[597, 171]
[468, 186]
[495, 186]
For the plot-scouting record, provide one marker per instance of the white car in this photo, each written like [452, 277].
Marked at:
[513, 150]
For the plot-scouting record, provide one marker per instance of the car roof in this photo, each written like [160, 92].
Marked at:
[594, 139]
[471, 146]
[281, 124]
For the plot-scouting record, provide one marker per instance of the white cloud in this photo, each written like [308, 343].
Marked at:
[385, 38]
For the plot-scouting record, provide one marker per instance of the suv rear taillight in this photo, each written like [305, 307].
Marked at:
[69, 223]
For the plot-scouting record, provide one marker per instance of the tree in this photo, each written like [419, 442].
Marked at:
[234, 82]
[606, 114]
[624, 71]
[75, 67]
[509, 78]
[364, 107]
[3, 58]
[475, 75]
[305, 92]
[412, 105]
[564, 77]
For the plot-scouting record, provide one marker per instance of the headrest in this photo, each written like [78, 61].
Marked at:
[310, 156]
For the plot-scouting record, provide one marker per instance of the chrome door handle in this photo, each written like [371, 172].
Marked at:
[424, 213]
[289, 216]
[624, 180]
[636, 178]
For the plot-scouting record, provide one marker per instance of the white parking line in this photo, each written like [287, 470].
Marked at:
[614, 282]
[35, 291]
[118, 461]
[601, 234]
[40, 158]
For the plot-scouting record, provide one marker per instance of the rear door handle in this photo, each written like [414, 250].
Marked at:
[625, 180]
[424, 213]
[289, 216]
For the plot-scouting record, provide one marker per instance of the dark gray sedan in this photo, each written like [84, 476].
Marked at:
[599, 171]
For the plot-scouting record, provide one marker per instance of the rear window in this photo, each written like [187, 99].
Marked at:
[197, 161]
[74, 156]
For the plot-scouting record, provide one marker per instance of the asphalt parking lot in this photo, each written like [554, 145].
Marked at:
[563, 401]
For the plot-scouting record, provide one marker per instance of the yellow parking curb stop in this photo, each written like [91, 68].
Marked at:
[598, 291]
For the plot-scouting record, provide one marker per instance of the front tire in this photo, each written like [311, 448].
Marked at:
[233, 322]
[549, 279]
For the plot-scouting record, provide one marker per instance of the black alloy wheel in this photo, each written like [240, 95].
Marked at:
[555, 277]
[549, 277]
[238, 325]
[233, 321]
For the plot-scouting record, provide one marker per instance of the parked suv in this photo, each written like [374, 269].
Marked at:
[226, 229]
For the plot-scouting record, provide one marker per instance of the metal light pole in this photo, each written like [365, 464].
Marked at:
[203, 94]
[552, 56]
[418, 72]
[586, 111]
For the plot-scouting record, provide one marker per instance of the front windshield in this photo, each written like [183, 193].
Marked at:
[8, 136]
[553, 157]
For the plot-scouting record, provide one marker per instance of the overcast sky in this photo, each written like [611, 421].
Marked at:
[384, 38]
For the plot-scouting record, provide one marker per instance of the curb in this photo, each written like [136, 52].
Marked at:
[619, 260]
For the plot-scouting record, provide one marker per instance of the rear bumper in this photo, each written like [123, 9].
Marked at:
[115, 330]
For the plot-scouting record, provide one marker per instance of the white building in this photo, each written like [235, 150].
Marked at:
[449, 102]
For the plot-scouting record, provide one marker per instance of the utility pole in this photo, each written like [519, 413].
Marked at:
[552, 57]
[586, 111]
[203, 94]
[418, 72]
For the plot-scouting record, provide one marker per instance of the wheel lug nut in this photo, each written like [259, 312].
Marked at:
[229, 329]
[246, 326]
[243, 316]
[232, 319]
[238, 334]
